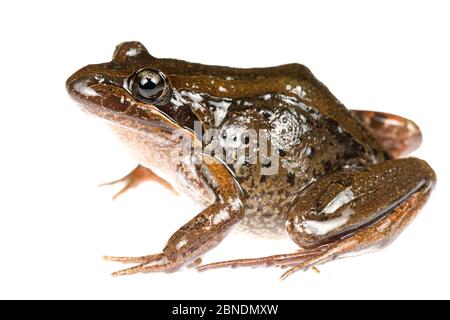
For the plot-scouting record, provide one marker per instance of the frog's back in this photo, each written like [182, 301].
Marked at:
[293, 80]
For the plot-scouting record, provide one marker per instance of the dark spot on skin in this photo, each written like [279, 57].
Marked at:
[281, 152]
[246, 139]
[328, 166]
[224, 134]
[266, 114]
[355, 150]
[340, 136]
[262, 179]
[266, 163]
[291, 178]
[346, 181]
[310, 152]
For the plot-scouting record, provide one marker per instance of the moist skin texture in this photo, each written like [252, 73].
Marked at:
[327, 177]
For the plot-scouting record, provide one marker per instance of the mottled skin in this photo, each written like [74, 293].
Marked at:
[328, 175]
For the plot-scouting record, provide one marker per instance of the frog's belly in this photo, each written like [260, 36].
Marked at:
[265, 212]
[263, 223]
[267, 203]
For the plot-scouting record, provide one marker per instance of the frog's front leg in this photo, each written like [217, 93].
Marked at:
[347, 212]
[139, 175]
[200, 234]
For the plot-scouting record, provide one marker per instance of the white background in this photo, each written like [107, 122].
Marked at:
[55, 224]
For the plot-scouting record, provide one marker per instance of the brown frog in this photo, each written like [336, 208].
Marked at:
[270, 149]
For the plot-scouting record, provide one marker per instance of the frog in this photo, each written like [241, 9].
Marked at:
[270, 150]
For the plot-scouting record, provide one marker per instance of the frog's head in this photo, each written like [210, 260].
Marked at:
[130, 88]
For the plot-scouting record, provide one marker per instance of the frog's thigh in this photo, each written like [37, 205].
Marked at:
[139, 175]
[347, 212]
[399, 136]
[345, 202]
[200, 234]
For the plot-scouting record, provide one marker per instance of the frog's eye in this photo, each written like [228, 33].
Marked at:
[151, 86]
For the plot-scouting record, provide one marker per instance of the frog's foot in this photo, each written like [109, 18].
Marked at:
[139, 175]
[301, 260]
[347, 212]
[398, 136]
[280, 260]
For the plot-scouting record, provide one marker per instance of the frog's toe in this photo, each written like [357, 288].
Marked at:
[151, 263]
[311, 262]
[141, 259]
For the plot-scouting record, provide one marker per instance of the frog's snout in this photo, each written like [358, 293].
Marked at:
[96, 90]
[81, 87]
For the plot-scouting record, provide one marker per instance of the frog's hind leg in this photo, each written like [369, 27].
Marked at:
[139, 175]
[399, 136]
[347, 212]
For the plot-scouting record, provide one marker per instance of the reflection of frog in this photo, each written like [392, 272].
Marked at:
[328, 175]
